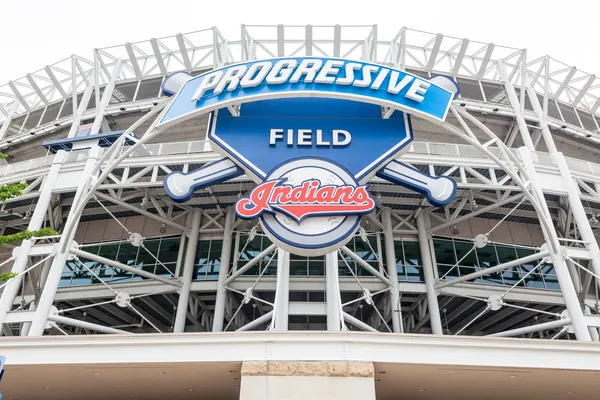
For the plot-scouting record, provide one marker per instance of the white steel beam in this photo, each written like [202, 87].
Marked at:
[565, 82]
[486, 60]
[37, 89]
[460, 57]
[332, 292]
[365, 265]
[116, 264]
[282, 292]
[188, 272]
[133, 59]
[434, 51]
[19, 96]
[428, 272]
[559, 323]
[184, 53]
[219, 314]
[308, 40]
[4, 128]
[390, 262]
[55, 81]
[158, 56]
[492, 270]
[86, 325]
[583, 90]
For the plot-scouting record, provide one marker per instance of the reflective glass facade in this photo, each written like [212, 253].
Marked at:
[448, 253]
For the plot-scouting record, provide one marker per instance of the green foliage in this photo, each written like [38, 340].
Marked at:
[7, 275]
[11, 190]
[16, 237]
[3, 156]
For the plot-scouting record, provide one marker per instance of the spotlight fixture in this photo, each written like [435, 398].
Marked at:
[144, 203]
[163, 228]
[455, 230]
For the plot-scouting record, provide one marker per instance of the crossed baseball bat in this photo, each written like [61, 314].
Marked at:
[181, 186]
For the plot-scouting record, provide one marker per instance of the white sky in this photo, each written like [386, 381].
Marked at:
[35, 33]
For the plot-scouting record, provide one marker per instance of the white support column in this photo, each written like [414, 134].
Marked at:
[390, 262]
[108, 91]
[514, 102]
[535, 103]
[581, 218]
[432, 300]
[558, 260]
[282, 294]
[62, 252]
[332, 291]
[219, 315]
[83, 104]
[37, 220]
[188, 272]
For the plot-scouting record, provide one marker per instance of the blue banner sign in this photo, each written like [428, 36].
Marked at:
[309, 77]
[271, 132]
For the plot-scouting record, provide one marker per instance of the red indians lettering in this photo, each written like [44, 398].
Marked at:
[307, 199]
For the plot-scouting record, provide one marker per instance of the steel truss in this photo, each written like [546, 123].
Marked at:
[495, 182]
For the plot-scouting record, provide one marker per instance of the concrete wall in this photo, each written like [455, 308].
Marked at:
[109, 229]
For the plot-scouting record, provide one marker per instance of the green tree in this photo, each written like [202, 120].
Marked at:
[7, 192]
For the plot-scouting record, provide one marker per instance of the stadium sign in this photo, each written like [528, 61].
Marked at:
[311, 132]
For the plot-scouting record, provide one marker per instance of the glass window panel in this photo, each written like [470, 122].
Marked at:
[200, 272]
[495, 93]
[553, 109]
[202, 250]
[127, 254]
[51, 112]
[551, 282]
[400, 267]
[212, 272]
[33, 119]
[587, 120]
[166, 270]
[121, 276]
[123, 92]
[147, 256]
[412, 253]
[299, 267]
[568, 113]
[149, 89]
[465, 252]
[316, 266]
[469, 89]
[169, 250]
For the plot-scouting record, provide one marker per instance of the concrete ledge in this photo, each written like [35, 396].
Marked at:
[302, 346]
[308, 368]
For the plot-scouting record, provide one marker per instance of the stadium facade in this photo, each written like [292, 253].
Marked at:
[444, 246]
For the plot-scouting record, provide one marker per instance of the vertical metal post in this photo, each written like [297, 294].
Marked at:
[223, 271]
[188, 272]
[557, 256]
[432, 300]
[37, 220]
[514, 102]
[108, 91]
[62, 253]
[581, 218]
[282, 294]
[390, 262]
[535, 103]
[332, 287]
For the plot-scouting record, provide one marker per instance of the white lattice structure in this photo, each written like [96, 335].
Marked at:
[514, 255]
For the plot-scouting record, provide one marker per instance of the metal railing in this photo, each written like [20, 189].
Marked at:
[204, 146]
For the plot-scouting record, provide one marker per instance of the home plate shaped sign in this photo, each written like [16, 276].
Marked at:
[311, 133]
